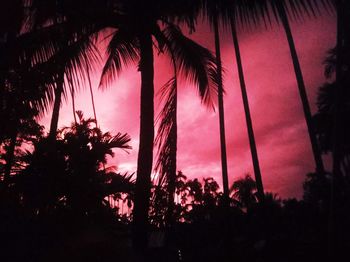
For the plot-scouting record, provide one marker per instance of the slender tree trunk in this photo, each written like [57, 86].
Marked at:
[253, 150]
[57, 105]
[91, 91]
[226, 197]
[301, 86]
[145, 154]
[221, 110]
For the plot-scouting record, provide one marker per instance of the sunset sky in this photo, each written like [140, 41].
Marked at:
[282, 140]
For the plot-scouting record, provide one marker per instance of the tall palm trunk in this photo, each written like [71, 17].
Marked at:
[221, 109]
[226, 197]
[251, 136]
[301, 86]
[57, 105]
[145, 154]
[59, 81]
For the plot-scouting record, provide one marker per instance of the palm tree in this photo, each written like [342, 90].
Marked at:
[133, 42]
[79, 181]
[58, 15]
[212, 11]
[129, 45]
[235, 17]
[42, 60]
[230, 12]
[221, 108]
[326, 114]
[280, 7]
[252, 143]
[243, 190]
[166, 140]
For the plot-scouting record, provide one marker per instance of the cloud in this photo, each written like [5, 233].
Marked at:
[281, 136]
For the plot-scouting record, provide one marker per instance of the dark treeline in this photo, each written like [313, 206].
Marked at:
[59, 199]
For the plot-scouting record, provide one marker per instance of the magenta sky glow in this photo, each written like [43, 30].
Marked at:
[282, 141]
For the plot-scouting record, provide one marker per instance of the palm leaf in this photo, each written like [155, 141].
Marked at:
[42, 55]
[242, 12]
[122, 50]
[119, 141]
[194, 62]
[298, 9]
[167, 132]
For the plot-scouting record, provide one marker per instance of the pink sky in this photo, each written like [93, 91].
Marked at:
[281, 136]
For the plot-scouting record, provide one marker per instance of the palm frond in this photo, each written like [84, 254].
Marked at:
[195, 63]
[248, 13]
[75, 58]
[119, 183]
[47, 55]
[118, 141]
[122, 50]
[298, 9]
[181, 12]
[166, 139]
[243, 12]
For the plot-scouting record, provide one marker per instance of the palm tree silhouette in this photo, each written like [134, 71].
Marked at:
[234, 19]
[73, 176]
[132, 42]
[166, 138]
[61, 48]
[243, 190]
[252, 143]
[59, 77]
[212, 10]
[230, 13]
[129, 45]
[280, 8]
[332, 109]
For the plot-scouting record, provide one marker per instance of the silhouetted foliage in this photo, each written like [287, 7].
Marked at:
[59, 201]
[324, 118]
[63, 186]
